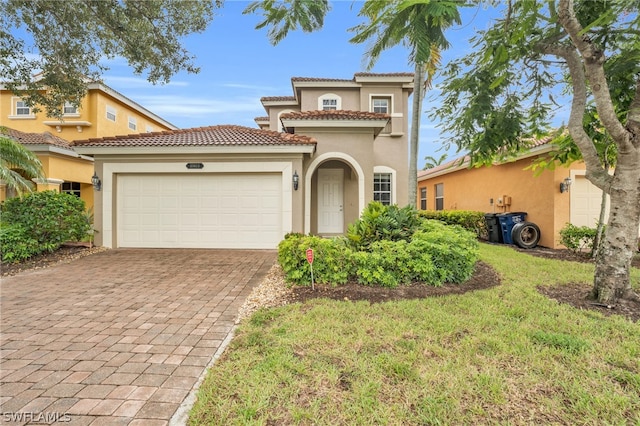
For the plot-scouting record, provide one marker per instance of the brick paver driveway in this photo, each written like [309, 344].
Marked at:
[119, 337]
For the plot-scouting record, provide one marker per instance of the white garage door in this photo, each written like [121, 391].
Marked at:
[200, 210]
[585, 203]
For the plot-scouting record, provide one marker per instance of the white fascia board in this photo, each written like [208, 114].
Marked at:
[279, 103]
[56, 150]
[66, 123]
[384, 79]
[320, 84]
[252, 149]
[531, 153]
[131, 104]
[334, 123]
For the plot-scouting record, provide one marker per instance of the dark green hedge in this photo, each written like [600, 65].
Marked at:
[469, 219]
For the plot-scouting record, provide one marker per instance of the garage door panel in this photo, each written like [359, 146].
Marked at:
[200, 211]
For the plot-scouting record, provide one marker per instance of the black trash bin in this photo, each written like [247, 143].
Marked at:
[493, 228]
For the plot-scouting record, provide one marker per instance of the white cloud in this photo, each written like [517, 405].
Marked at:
[188, 106]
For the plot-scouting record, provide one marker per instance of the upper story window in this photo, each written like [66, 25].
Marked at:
[149, 129]
[439, 190]
[382, 188]
[329, 102]
[69, 109]
[111, 113]
[22, 108]
[380, 105]
[423, 198]
[133, 125]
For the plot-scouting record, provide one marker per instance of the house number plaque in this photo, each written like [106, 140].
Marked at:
[195, 166]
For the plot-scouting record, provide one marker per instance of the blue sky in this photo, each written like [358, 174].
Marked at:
[239, 65]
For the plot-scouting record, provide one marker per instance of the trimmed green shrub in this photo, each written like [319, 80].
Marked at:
[16, 245]
[386, 264]
[332, 259]
[578, 238]
[49, 218]
[379, 222]
[471, 220]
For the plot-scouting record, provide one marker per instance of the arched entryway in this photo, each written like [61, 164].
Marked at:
[334, 193]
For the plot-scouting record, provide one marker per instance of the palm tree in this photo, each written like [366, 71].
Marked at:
[18, 165]
[431, 162]
[420, 25]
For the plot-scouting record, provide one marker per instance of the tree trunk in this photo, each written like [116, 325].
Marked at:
[611, 279]
[415, 132]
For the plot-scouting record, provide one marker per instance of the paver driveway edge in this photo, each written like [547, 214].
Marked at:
[182, 413]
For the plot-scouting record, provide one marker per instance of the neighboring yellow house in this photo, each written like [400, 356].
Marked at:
[102, 113]
[508, 187]
[66, 170]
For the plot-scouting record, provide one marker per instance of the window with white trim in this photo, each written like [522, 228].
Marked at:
[380, 105]
[329, 102]
[133, 125]
[382, 188]
[69, 109]
[72, 188]
[111, 113]
[423, 198]
[22, 109]
[149, 129]
[439, 191]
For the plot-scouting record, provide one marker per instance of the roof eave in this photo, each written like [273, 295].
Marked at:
[208, 149]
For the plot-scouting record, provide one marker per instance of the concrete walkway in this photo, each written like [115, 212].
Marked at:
[118, 337]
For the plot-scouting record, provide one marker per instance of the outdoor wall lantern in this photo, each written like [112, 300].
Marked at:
[565, 184]
[95, 181]
[296, 180]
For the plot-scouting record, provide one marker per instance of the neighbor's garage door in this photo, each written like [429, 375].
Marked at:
[200, 210]
[585, 203]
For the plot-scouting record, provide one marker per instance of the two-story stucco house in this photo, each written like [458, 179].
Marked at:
[316, 160]
[102, 112]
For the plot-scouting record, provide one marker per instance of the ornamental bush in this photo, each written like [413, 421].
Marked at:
[471, 220]
[432, 252]
[49, 218]
[578, 238]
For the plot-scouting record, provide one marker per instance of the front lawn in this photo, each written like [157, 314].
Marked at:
[505, 355]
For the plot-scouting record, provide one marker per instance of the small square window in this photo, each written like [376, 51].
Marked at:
[72, 188]
[111, 113]
[22, 108]
[329, 104]
[380, 105]
[69, 108]
[132, 123]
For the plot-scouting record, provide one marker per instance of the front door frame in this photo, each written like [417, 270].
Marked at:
[334, 209]
[315, 164]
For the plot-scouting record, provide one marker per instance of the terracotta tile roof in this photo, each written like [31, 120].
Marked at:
[202, 136]
[45, 138]
[265, 118]
[277, 98]
[390, 74]
[338, 114]
[320, 79]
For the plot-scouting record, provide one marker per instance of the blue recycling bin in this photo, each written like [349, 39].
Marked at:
[507, 222]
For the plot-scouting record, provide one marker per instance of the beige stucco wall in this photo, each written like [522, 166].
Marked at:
[538, 196]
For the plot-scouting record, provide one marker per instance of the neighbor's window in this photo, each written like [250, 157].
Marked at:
[439, 196]
[72, 188]
[111, 113]
[380, 105]
[382, 188]
[133, 125]
[69, 108]
[423, 198]
[22, 108]
[149, 129]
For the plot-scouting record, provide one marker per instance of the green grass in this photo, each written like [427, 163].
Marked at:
[507, 355]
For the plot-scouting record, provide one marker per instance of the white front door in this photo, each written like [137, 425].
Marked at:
[330, 202]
